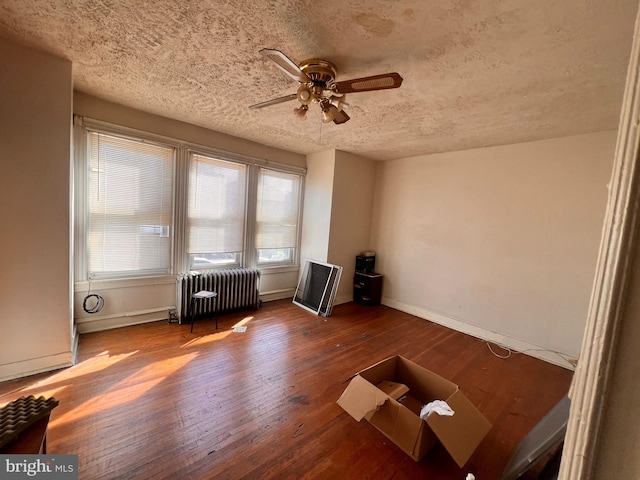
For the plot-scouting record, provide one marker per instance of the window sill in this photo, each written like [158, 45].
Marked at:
[274, 269]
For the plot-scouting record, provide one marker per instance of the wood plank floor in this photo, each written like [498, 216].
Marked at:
[154, 401]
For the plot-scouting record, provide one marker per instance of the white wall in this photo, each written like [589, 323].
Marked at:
[499, 242]
[35, 154]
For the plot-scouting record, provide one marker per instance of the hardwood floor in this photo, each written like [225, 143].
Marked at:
[154, 401]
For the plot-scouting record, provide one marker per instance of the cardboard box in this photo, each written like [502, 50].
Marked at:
[393, 389]
[400, 421]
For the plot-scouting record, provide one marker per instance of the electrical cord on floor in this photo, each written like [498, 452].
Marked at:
[570, 360]
[508, 350]
[567, 358]
[97, 300]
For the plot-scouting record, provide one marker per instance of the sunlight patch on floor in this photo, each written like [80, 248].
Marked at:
[206, 339]
[128, 389]
[49, 386]
[217, 336]
[242, 322]
[92, 365]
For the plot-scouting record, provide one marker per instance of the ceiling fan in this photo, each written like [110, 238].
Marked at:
[317, 85]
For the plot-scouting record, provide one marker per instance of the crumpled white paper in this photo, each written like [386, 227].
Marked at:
[437, 406]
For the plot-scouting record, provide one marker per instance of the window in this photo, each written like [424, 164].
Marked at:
[217, 192]
[147, 205]
[130, 206]
[278, 202]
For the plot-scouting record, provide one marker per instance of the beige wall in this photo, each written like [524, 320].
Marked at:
[337, 212]
[35, 154]
[99, 109]
[350, 229]
[499, 242]
[316, 214]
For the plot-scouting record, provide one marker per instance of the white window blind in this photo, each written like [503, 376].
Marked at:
[217, 198]
[130, 206]
[277, 215]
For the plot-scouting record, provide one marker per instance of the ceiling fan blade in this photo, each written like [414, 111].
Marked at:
[365, 84]
[341, 117]
[285, 64]
[275, 101]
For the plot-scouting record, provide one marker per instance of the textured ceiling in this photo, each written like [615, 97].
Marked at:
[476, 73]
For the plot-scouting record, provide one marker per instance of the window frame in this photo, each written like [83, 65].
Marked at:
[239, 256]
[82, 191]
[295, 257]
[180, 259]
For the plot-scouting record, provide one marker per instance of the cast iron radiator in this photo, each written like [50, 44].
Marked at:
[236, 288]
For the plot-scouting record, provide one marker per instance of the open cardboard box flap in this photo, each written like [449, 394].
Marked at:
[361, 398]
[461, 433]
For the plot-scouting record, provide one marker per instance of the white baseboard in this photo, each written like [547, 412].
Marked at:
[514, 344]
[277, 294]
[344, 298]
[125, 319]
[32, 366]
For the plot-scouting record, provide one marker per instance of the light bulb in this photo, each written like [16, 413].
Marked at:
[328, 112]
[337, 102]
[301, 112]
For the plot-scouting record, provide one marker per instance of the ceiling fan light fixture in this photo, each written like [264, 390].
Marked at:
[337, 102]
[301, 112]
[328, 112]
[305, 95]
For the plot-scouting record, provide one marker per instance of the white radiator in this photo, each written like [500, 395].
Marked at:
[236, 288]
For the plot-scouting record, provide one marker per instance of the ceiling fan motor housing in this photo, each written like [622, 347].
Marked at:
[321, 72]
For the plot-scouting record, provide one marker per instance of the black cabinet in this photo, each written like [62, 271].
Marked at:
[367, 288]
